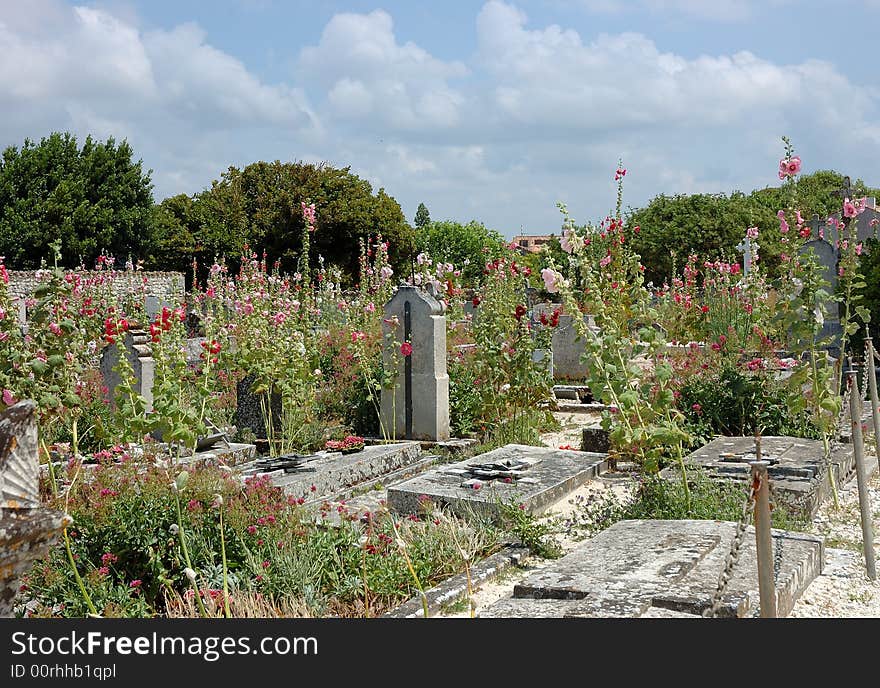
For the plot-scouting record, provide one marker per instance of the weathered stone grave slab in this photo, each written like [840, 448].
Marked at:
[331, 472]
[231, 454]
[635, 568]
[799, 477]
[534, 477]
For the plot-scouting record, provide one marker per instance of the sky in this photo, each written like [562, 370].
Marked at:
[488, 110]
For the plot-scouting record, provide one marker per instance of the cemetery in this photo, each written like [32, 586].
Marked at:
[581, 442]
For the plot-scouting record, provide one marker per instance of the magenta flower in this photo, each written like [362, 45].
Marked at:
[406, 348]
[8, 398]
[136, 583]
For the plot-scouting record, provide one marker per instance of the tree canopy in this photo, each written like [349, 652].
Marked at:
[93, 199]
[467, 246]
[712, 225]
[260, 206]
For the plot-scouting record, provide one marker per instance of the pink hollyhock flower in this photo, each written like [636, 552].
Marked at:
[551, 280]
[849, 210]
[406, 348]
[606, 261]
[752, 232]
[55, 329]
[789, 167]
[386, 272]
[783, 225]
[858, 249]
[8, 398]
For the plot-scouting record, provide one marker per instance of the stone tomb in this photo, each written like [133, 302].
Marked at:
[662, 568]
[799, 478]
[329, 472]
[532, 476]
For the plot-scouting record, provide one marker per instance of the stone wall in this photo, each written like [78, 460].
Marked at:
[166, 286]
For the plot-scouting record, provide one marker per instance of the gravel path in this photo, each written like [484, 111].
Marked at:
[843, 590]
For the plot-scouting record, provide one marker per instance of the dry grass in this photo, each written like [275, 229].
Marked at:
[242, 605]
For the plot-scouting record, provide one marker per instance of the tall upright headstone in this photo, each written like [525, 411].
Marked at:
[140, 356]
[417, 406]
[827, 255]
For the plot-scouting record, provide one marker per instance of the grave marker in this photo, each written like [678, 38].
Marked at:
[417, 406]
[140, 356]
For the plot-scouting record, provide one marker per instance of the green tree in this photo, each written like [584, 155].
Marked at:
[673, 227]
[423, 217]
[260, 206]
[93, 199]
[712, 225]
[467, 246]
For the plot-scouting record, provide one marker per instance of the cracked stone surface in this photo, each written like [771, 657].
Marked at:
[637, 567]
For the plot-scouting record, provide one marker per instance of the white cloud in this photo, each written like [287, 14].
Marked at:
[538, 113]
[369, 72]
[88, 71]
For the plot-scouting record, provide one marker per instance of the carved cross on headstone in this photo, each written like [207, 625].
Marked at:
[745, 247]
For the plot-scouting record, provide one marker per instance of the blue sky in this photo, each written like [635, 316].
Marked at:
[491, 110]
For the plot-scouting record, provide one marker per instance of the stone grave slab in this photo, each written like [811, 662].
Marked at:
[641, 568]
[330, 472]
[231, 454]
[798, 474]
[533, 476]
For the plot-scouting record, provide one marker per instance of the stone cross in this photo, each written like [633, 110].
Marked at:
[745, 246]
[417, 406]
[27, 529]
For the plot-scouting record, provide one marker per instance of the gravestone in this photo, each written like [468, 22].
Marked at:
[417, 406]
[248, 409]
[827, 257]
[153, 305]
[27, 529]
[662, 568]
[566, 345]
[799, 476]
[140, 356]
[535, 477]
